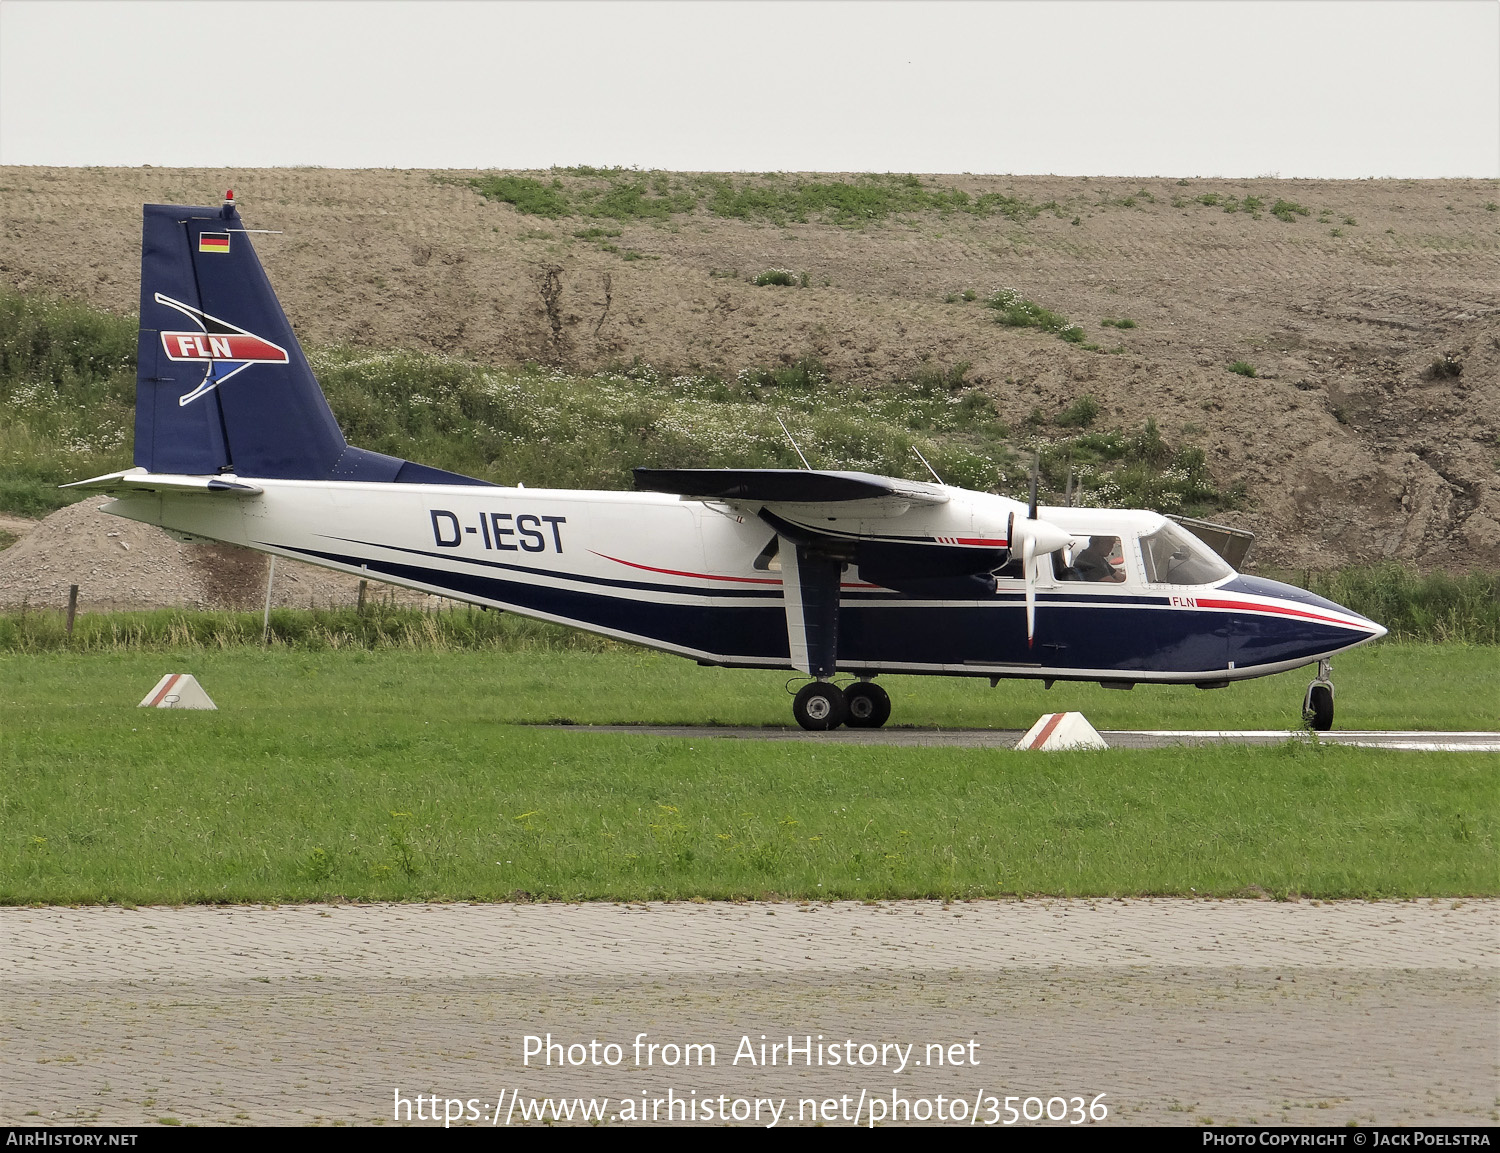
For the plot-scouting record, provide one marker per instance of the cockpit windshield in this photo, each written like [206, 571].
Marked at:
[1174, 556]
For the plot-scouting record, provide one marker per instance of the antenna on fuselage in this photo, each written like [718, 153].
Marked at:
[795, 449]
[1028, 552]
[923, 459]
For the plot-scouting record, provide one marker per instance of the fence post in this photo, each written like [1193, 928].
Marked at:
[72, 607]
[360, 608]
[265, 623]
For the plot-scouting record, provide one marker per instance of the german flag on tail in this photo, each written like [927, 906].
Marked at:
[213, 242]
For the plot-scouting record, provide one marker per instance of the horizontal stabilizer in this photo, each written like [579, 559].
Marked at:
[139, 480]
[783, 485]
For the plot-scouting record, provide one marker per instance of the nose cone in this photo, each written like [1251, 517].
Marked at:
[1275, 622]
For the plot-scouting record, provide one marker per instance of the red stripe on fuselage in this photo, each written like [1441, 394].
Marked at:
[694, 575]
[1280, 610]
[703, 576]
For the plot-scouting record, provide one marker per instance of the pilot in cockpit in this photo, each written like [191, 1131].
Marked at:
[1095, 564]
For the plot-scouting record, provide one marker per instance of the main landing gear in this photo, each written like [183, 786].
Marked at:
[822, 705]
[1317, 705]
[869, 706]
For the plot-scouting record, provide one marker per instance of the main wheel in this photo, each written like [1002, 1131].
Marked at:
[1317, 710]
[820, 706]
[869, 706]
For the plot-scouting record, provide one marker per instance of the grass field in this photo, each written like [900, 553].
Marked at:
[410, 774]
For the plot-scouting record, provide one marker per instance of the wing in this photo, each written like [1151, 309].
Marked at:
[919, 539]
[786, 486]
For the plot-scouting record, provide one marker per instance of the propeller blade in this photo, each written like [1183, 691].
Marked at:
[1028, 555]
[1036, 468]
[1038, 538]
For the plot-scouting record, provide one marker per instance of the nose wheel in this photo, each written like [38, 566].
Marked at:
[1317, 705]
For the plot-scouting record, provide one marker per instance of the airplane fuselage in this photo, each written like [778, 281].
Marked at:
[701, 579]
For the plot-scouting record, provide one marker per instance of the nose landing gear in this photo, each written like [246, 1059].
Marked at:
[1317, 705]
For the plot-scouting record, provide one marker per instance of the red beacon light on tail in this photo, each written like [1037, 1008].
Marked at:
[228, 206]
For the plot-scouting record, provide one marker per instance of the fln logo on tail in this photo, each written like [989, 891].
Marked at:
[225, 348]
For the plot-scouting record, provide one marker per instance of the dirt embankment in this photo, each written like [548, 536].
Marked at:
[123, 564]
[1348, 446]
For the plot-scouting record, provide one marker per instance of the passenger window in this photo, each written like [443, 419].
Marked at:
[1100, 561]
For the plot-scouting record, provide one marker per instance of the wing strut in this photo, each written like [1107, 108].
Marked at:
[810, 584]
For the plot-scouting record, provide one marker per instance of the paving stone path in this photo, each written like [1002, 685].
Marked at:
[1252, 1012]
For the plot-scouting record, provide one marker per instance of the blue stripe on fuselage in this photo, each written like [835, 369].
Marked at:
[1075, 635]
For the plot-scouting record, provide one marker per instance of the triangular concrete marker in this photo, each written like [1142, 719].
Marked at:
[1062, 731]
[178, 691]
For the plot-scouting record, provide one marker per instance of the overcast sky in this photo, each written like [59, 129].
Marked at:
[1299, 89]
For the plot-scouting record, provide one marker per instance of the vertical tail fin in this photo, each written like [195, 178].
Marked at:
[221, 383]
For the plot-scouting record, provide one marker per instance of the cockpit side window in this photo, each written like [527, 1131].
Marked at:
[1100, 561]
[1173, 556]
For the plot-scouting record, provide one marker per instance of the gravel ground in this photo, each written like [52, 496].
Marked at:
[123, 564]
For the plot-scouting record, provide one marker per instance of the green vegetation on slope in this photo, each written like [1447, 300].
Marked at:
[551, 428]
[364, 775]
[67, 398]
[1015, 311]
[1413, 606]
[67, 386]
[632, 194]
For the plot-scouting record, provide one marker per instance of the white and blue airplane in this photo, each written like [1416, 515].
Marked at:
[831, 574]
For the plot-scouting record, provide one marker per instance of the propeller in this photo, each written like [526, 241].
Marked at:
[1028, 556]
[1038, 538]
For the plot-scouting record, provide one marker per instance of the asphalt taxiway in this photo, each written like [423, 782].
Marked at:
[1416, 741]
